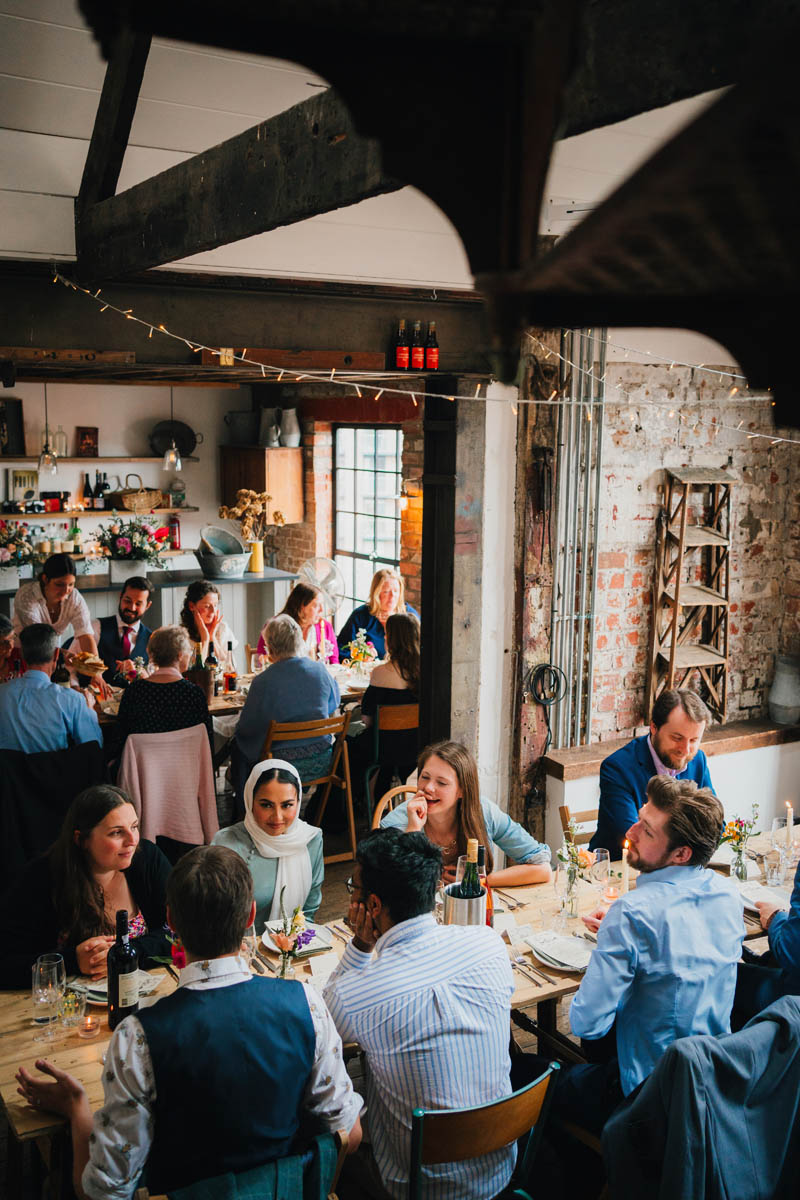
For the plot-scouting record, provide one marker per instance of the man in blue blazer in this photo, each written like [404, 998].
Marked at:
[124, 636]
[672, 747]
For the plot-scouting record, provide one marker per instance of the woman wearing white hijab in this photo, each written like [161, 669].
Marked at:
[281, 850]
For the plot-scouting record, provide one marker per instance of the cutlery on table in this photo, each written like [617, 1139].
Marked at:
[587, 936]
[257, 967]
[266, 963]
[542, 975]
[340, 936]
[530, 978]
[173, 974]
[509, 900]
[344, 933]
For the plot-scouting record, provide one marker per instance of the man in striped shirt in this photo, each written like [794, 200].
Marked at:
[430, 1009]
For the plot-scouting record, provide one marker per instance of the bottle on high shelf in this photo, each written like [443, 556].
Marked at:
[470, 886]
[431, 349]
[77, 538]
[88, 494]
[417, 348]
[401, 359]
[230, 679]
[99, 497]
[482, 877]
[123, 974]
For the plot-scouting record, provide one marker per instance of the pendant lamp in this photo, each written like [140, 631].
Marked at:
[48, 459]
[172, 455]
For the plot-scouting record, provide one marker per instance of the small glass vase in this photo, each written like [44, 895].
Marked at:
[571, 898]
[738, 865]
[286, 968]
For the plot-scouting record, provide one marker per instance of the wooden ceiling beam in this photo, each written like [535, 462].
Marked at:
[303, 162]
[115, 113]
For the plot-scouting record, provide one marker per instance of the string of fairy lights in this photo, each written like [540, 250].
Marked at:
[376, 383]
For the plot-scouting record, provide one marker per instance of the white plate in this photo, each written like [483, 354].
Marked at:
[97, 993]
[549, 947]
[322, 940]
[750, 892]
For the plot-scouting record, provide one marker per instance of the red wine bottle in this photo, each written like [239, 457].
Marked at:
[401, 360]
[431, 349]
[417, 348]
[482, 877]
[123, 974]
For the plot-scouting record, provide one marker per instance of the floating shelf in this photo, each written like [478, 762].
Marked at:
[79, 513]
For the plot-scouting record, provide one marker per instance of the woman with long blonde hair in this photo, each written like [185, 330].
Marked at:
[449, 809]
[386, 597]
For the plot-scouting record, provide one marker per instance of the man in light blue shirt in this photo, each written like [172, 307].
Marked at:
[665, 963]
[36, 714]
[430, 1010]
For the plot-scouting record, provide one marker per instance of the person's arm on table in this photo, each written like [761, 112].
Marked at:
[608, 977]
[783, 928]
[531, 859]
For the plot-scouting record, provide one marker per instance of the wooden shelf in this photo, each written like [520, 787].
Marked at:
[136, 458]
[79, 513]
[699, 535]
[695, 594]
[698, 655]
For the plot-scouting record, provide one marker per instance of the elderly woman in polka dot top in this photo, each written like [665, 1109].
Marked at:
[165, 701]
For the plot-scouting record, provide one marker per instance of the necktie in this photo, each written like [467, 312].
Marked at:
[127, 642]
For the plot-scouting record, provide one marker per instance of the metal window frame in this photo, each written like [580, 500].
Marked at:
[398, 474]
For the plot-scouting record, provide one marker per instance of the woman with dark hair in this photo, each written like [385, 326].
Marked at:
[283, 852]
[67, 899]
[449, 809]
[201, 615]
[305, 605]
[52, 600]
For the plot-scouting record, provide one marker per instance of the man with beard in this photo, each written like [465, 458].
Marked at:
[672, 748]
[124, 636]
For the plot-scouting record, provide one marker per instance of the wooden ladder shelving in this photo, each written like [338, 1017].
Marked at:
[691, 586]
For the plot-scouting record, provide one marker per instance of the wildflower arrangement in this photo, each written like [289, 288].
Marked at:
[737, 833]
[292, 936]
[177, 958]
[361, 651]
[137, 539]
[139, 670]
[577, 863]
[251, 510]
[15, 543]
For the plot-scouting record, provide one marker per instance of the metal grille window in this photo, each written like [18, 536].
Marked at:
[367, 477]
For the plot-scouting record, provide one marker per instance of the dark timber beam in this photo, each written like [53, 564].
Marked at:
[307, 160]
[115, 113]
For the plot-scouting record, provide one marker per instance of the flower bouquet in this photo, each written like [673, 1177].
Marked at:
[251, 510]
[737, 833]
[15, 544]
[361, 651]
[575, 862]
[138, 540]
[291, 938]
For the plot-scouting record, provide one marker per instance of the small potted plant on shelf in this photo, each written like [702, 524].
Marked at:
[252, 512]
[130, 544]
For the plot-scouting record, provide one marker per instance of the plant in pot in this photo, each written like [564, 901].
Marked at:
[252, 511]
[128, 544]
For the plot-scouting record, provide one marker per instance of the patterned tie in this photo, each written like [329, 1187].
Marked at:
[127, 642]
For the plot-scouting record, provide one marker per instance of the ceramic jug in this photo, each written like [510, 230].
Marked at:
[290, 428]
[784, 695]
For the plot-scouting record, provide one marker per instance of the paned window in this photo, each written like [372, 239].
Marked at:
[367, 477]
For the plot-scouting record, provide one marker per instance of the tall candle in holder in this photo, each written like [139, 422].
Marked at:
[789, 825]
[625, 868]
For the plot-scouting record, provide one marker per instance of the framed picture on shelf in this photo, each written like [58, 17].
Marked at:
[86, 439]
[12, 436]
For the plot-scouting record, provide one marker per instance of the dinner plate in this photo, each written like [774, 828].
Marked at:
[97, 993]
[750, 892]
[560, 951]
[322, 940]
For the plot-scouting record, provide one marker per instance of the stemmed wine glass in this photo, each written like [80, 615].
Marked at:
[249, 944]
[599, 868]
[48, 984]
[560, 884]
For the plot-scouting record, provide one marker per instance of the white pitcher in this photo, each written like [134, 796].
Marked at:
[290, 428]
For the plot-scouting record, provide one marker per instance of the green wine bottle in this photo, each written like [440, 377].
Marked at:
[470, 884]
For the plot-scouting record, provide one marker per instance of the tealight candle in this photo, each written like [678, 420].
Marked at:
[610, 894]
[625, 869]
[89, 1027]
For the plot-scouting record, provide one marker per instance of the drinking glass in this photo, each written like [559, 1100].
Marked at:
[461, 866]
[71, 1008]
[249, 944]
[774, 867]
[599, 868]
[560, 885]
[778, 836]
[48, 981]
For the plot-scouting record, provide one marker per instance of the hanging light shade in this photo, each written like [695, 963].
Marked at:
[48, 459]
[172, 455]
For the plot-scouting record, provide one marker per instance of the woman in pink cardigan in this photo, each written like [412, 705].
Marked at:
[305, 606]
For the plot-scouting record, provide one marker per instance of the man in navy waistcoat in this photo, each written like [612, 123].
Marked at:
[124, 636]
[672, 747]
[215, 1077]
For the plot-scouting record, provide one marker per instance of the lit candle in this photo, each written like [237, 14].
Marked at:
[625, 875]
[322, 647]
[789, 825]
[610, 894]
[89, 1027]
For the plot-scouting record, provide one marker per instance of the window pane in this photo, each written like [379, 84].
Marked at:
[345, 531]
[365, 449]
[364, 572]
[345, 447]
[386, 485]
[386, 508]
[365, 535]
[345, 490]
[387, 449]
[365, 489]
[385, 538]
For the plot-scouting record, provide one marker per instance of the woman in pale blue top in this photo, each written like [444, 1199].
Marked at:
[283, 852]
[449, 809]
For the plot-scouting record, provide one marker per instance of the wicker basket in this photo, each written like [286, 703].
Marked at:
[136, 500]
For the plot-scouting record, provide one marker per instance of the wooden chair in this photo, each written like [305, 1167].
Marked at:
[462, 1133]
[580, 818]
[389, 718]
[387, 801]
[294, 731]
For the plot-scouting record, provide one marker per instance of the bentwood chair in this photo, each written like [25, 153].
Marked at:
[388, 801]
[589, 817]
[395, 745]
[462, 1133]
[294, 731]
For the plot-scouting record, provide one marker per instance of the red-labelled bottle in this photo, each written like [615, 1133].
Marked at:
[431, 349]
[417, 348]
[401, 351]
[484, 883]
[174, 527]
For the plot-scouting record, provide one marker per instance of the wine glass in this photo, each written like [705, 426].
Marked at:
[560, 884]
[249, 944]
[48, 983]
[599, 868]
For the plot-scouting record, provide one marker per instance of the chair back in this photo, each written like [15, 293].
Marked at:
[459, 1134]
[388, 801]
[397, 716]
[336, 726]
[588, 817]
[170, 780]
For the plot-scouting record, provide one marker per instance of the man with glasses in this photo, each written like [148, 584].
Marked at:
[430, 1009]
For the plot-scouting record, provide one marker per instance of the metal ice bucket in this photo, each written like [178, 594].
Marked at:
[463, 912]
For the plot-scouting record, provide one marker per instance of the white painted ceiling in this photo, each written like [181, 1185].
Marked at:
[192, 98]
